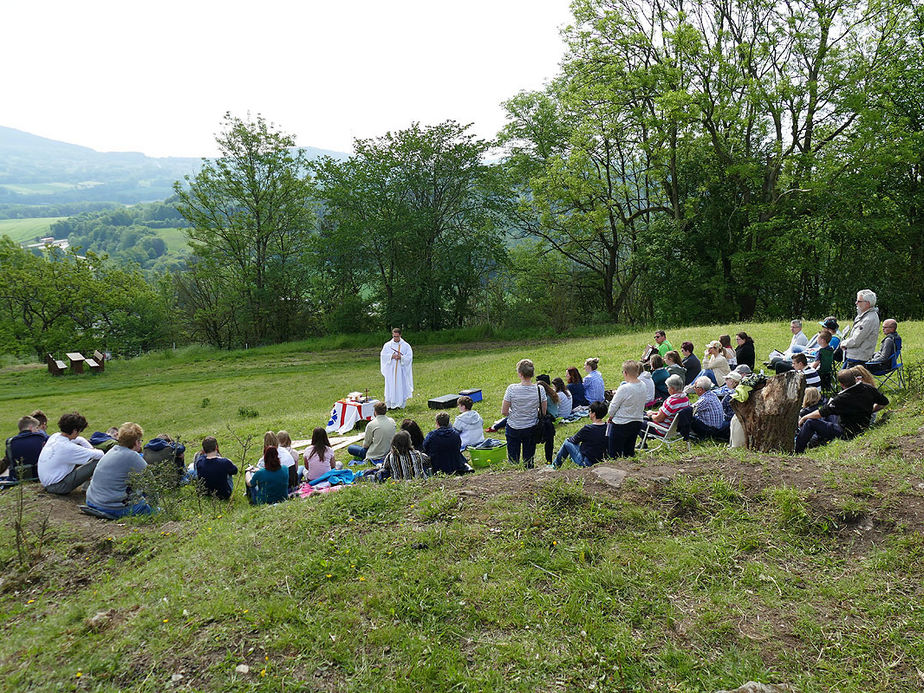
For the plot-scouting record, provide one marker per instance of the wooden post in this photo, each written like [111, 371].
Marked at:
[771, 414]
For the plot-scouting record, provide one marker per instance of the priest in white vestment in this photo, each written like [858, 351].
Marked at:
[395, 359]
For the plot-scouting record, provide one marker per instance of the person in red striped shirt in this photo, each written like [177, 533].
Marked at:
[675, 401]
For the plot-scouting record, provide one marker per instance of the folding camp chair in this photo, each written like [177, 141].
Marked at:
[894, 378]
[678, 431]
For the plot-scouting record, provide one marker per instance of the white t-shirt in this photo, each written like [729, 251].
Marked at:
[61, 456]
[524, 404]
[285, 459]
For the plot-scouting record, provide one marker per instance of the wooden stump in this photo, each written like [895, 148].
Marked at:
[771, 414]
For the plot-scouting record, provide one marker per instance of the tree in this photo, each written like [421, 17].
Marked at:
[411, 221]
[251, 215]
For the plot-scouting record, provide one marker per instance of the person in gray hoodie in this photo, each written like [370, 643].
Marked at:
[860, 344]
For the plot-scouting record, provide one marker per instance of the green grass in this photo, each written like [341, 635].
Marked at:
[22, 230]
[743, 567]
[174, 238]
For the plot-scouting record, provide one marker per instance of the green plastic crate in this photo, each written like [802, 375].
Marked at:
[485, 458]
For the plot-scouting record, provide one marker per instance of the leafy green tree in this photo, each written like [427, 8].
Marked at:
[251, 219]
[412, 220]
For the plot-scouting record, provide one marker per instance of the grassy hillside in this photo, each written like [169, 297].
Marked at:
[22, 230]
[701, 571]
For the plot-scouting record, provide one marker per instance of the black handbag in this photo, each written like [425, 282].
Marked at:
[542, 420]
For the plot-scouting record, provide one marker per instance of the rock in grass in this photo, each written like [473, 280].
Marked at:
[610, 476]
[242, 669]
[100, 620]
[755, 687]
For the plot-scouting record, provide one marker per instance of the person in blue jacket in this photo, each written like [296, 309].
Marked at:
[271, 483]
[443, 446]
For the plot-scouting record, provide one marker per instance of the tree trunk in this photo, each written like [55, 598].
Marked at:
[771, 414]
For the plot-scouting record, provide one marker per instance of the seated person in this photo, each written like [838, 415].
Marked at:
[708, 414]
[891, 345]
[645, 379]
[104, 441]
[824, 358]
[676, 400]
[564, 398]
[576, 388]
[732, 380]
[730, 354]
[715, 365]
[593, 381]
[377, 441]
[798, 342]
[690, 362]
[800, 364]
[403, 462]
[319, 458]
[286, 449]
[853, 406]
[39, 416]
[214, 471]
[443, 446]
[673, 364]
[811, 401]
[587, 446]
[830, 327]
[67, 460]
[164, 455]
[271, 440]
[417, 436]
[468, 423]
[271, 483]
[109, 489]
[22, 451]
[744, 352]
[660, 347]
[659, 375]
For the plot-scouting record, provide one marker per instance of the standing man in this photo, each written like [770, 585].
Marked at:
[395, 361]
[860, 343]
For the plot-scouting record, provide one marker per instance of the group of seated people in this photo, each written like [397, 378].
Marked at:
[408, 454]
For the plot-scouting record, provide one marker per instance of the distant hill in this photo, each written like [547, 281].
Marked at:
[38, 171]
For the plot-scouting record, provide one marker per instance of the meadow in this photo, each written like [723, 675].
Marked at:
[23, 230]
[702, 570]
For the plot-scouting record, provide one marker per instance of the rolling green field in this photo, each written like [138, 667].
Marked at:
[22, 230]
[701, 571]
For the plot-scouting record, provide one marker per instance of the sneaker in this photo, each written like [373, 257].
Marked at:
[550, 467]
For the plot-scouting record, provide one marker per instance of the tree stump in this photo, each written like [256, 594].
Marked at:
[771, 414]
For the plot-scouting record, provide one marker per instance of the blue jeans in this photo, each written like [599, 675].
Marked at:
[139, 508]
[569, 449]
[517, 438]
[825, 430]
[358, 451]
[709, 374]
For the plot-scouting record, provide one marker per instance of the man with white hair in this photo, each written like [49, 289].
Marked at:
[708, 414]
[799, 341]
[858, 346]
[675, 401]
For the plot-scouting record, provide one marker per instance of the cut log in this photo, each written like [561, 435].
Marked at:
[771, 414]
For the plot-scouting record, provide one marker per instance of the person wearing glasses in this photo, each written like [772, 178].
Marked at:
[860, 344]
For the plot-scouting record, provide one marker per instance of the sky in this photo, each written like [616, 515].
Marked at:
[157, 77]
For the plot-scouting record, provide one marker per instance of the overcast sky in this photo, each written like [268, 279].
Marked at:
[157, 77]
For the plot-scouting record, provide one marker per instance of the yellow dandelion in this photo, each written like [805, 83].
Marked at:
[166, 619]
[329, 575]
[554, 543]
[362, 579]
[31, 601]
[263, 672]
[266, 658]
[79, 674]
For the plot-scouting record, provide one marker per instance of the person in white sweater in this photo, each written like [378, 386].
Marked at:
[627, 409]
[67, 460]
[469, 423]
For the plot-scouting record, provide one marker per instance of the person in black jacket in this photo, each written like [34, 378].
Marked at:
[854, 406]
[690, 362]
[744, 352]
[443, 446]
